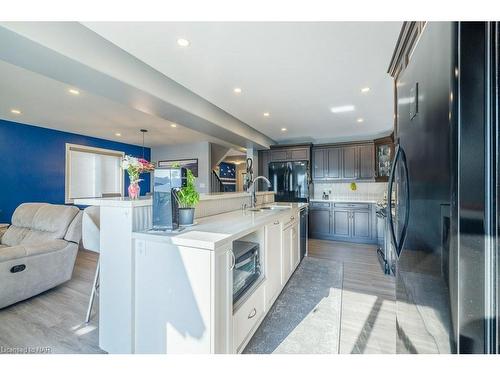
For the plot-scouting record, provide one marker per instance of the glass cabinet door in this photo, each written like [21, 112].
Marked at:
[383, 158]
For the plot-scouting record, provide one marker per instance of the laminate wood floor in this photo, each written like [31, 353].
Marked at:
[52, 322]
[368, 322]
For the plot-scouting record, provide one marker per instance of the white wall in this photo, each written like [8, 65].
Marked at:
[199, 150]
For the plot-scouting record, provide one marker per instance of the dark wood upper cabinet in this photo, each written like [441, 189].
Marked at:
[277, 155]
[337, 162]
[350, 163]
[319, 168]
[334, 159]
[343, 162]
[290, 153]
[366, 160]
[299, 153]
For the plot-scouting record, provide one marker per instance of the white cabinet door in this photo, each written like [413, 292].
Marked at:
[295, 246]
[247, 317]
[287, 252]
[273, 261]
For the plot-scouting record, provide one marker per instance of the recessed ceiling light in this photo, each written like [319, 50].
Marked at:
[365, 89]
[342, 108]
[183, 42]
[118, 134]
[360, 120]
[173, 125]
[74, 91]
[15, 111]
[237, 90]
[267, 114]
[284, 129]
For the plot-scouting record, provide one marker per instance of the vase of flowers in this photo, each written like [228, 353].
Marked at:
[134, 168]
[188, 198]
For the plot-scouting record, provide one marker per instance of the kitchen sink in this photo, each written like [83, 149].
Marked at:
[275, 208]
[268, 208]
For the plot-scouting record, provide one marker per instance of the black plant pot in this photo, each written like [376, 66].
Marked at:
[186, 216]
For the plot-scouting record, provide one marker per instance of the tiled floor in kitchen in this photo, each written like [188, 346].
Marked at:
[368, 297]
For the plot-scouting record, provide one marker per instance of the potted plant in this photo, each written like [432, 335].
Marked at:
[188, 198]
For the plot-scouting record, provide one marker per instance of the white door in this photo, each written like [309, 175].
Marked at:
[273, 261]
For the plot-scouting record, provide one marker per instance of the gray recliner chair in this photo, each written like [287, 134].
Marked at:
[38, 251]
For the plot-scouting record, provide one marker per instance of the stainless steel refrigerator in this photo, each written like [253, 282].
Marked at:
[444, 178]
[290, 181]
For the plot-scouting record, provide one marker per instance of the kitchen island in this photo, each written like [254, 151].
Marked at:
[184, 281]
[172, 292]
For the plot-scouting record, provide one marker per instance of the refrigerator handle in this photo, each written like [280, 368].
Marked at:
[399, 154]
[389, 199]
[407, 205]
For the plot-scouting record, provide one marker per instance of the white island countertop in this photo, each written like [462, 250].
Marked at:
[214, 231]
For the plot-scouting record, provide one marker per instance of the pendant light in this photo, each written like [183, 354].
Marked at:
[143, 131]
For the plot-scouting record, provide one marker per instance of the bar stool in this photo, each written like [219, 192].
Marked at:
[91, 241]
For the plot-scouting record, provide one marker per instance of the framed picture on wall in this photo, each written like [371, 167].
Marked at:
[191, 164]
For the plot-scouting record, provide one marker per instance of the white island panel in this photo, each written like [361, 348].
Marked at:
[180, 302]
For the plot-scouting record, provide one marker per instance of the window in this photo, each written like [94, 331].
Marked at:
[92, 172]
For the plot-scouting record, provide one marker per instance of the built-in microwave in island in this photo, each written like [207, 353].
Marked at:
[247, 267]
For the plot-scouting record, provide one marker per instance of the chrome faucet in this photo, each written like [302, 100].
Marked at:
[252, 186]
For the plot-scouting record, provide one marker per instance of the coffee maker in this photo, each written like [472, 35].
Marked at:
[167, 182]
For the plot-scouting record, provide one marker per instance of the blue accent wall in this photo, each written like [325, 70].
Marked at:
[32, 164]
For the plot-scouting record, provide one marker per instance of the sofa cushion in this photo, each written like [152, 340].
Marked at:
[54, 219]
[21, 251]
[38, 222]
[25, 213]
[14, 235]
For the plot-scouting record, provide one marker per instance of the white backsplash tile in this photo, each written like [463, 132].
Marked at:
[342, 190]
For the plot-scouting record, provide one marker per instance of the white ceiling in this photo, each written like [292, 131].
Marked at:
[294, 71]
[46, 102]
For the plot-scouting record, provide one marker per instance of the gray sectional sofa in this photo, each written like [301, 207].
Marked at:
[38, 251]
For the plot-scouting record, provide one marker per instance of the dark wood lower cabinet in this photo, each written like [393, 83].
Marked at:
[319, 222]
[343, 223]
[361, 224]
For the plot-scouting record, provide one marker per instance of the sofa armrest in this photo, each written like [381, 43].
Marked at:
[21, 251]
